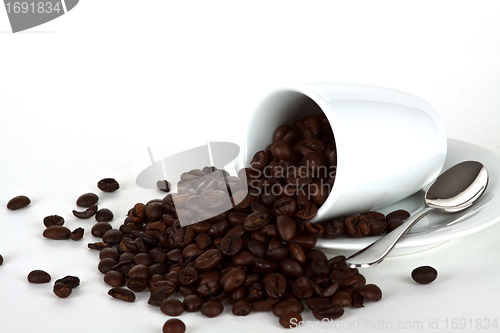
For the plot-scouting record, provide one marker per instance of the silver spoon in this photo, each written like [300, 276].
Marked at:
[455, 189]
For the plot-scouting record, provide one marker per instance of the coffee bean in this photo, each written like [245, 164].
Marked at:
[341, 298]
[108, 185]
[274, 284]
[286, 227]
[241, 308]
[57, 232]
[112, 236]
[233, 279]
[100, 228]
[212, 309]
[88, 213]
[122, 294]
[424, 274]
[62, 290]
[291, 268]
[51, 220]
[334, 229]
[281, 150]
[174, 325]
[357, 226]
[18, 202]
[163, 185]
[333, 311]
[290, 319]
[86, 200]
[370, 292]
[208, 260]
[192, 303]
[398, 214]
[38, 276]
[172, 307]
[284, 306]
[188, 276]
[256, 220]
[263, 266]
[393, 223]
[1, 259]
[317, 303]
[259, 160]
[104, 215]
[231, 244]
[297, 253]
[77, 234]
[106, 265]
[265, 304]
[114, 279]
[98, 246]
[280, 133]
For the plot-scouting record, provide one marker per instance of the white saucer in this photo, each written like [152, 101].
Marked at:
[432, 230]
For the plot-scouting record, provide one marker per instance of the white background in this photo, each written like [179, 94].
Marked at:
[81, 95]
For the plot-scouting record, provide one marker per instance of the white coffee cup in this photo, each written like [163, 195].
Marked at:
[390, 144]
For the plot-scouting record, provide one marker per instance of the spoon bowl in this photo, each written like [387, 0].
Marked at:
[454, 190]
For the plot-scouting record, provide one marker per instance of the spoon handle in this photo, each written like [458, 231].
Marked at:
[376, 252]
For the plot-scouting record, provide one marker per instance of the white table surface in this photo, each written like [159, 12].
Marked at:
[83, 96]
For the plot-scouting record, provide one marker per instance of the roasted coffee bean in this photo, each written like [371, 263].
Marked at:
[38, 276]
[108, 185]
[51, 220]
[400, 214]
[277, 254]
[57, 232]
[280, 133]
[98, 246]
[284, 306]
[265, 304]
[188, 276]
[100, 228]
[241, 308]
[70, 281]
[357, 300]
[333, 311]
[255, 289]
[208, 289]
[306, 242]
[334, 229]
[304, 287]
[357, 226]
[424, 274]
[183, 236]
[104, 215]
[231, 244]
[172, 307]
[263, 266]
[236, 218]
[163, 185]
[106, 265]
[112, 236]
[239, 294]
[257, 248]
[77, 234]
[174, 325]
[18, 202]
[290, 319]
[377, 227]
[122, 294]
[86, 200]
[62, 290]
[370, 292]
[233, 279]
[154, 211]
[1, 259]
[192, 303]
[297, 253]
[286, 227]
[114, 279]
[244, 258]
[256, 220]
[393, 224]
[212, 309]
[291, 268]
[88, 213]
[341, 298]
[317, 303]
[259, 160]
[208, 260]
[319, 266]
[274, 284]
[219, 229]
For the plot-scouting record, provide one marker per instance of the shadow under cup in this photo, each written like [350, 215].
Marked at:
[390, 144]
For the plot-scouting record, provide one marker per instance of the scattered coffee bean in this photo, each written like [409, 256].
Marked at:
[62, 290]
[86, 200]
[70, 281]
[424, 274]
[114, 279]
[108, 185]
[163, 185]
[398, 214]
[52, 220]
[57, 232]
[122, 294]
[104, 215]
[100, 228]
[88, 213]
[18, 202]
[39, 276]
[77, 234]
[1, 259]
[290, 319]
[174, 325]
